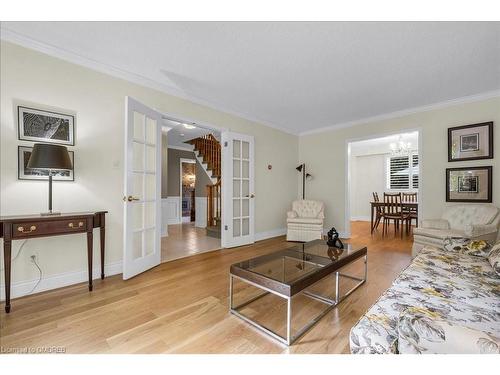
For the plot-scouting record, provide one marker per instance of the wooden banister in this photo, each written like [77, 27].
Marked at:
[214, 203]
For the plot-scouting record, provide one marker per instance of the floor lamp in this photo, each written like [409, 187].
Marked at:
[302, 168]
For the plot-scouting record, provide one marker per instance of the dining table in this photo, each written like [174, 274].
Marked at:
[409, 206]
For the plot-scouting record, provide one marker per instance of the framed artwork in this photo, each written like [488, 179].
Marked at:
[470, 142]
[24, 173]
[37, 125]
[473, 184]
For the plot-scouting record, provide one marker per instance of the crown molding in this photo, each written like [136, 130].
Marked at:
[74, 58]
[406, 112]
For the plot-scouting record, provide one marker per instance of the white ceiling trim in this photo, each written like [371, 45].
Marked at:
[60, 53]
[406, 112]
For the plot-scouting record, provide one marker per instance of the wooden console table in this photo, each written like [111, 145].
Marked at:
[23, 227]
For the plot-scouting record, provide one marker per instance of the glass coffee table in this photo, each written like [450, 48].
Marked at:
[292, 271]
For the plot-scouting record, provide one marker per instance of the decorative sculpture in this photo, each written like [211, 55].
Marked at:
[333, 239]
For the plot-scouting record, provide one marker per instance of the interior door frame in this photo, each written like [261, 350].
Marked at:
[347, 155]
[207, 125]
[183, 160]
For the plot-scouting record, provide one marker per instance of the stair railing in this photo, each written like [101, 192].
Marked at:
[214, 203]
[209, 148]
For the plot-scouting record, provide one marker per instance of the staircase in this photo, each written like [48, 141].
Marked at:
[208, 152]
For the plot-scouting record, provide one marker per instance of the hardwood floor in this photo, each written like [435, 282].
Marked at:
[185, 240]
[182, 307]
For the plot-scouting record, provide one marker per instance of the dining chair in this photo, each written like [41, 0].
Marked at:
[393, 210]
[413, 211]
[379, 211]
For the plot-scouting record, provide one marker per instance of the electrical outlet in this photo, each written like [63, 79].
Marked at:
[34, 257]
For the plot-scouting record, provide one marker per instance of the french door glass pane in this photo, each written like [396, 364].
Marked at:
[245, 169]
[236, 208]
[236, 188]
[149, 214]
[150, 182]
[138, 126]
[138, 151]
[245, 207]
[245, 227]
[149, 241]
[245, 188]
[236, 168]
[137, 218]
[150, 158]
[137, 245]
[236, 227]
[138, 185]
[150, 131]
[245, 150]
[236, 149]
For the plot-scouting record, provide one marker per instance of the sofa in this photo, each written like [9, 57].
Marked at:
[305, 221]
[446, 301]
[473, 221]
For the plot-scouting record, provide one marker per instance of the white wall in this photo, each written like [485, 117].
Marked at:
[368, 174]
[98, 102]
[325, 154]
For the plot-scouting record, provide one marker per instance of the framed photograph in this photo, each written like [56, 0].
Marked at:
[470, 142]
[24, 173]
[473, 184]
[37, 125]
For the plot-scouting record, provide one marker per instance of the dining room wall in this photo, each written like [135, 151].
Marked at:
[325, 153]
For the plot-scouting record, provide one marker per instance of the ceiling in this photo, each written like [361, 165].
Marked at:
[179, 133]
[382, 145]
[295, 76]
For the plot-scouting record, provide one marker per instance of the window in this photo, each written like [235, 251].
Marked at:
[403, 172]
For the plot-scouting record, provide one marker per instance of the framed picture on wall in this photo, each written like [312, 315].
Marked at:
[472, 184]
[470, 142]
[24, 173]
[37, 125]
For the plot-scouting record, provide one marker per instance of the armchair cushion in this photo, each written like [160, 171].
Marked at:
[419, 332]
[436, 224]
[304, 220]
[477, 230]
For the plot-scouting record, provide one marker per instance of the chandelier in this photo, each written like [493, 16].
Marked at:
[400, 148]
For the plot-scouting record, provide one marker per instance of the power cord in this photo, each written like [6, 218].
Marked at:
[18, 253]
[33, 259]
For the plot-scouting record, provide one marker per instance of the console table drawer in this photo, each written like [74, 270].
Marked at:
[27, 229]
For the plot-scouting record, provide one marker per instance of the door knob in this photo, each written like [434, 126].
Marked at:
[130, 198]
[252, 195]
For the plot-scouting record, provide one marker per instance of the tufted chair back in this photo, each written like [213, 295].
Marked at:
[308, 208]
[477, 214]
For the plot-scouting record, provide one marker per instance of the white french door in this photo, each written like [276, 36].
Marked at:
[142, 189]
[238, 203]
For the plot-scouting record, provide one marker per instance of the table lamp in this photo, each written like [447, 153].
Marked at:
[52, 158]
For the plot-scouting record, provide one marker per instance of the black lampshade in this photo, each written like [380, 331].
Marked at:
[46, 156]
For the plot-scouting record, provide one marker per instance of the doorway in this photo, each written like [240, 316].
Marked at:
[187, 180]
[386, 163]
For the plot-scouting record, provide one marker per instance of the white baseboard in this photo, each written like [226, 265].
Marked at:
[360, 218]
[22, 288]
[270, 234]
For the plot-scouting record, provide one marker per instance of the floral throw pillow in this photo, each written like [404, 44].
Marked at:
[479, 248]
[494, 258]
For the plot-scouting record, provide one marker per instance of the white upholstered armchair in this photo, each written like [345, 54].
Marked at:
[305, 221]
[474, 221]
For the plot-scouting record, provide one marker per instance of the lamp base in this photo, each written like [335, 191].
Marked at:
[50, 213]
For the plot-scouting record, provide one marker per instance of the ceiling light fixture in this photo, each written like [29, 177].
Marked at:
[400, 148]
[189, 126]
